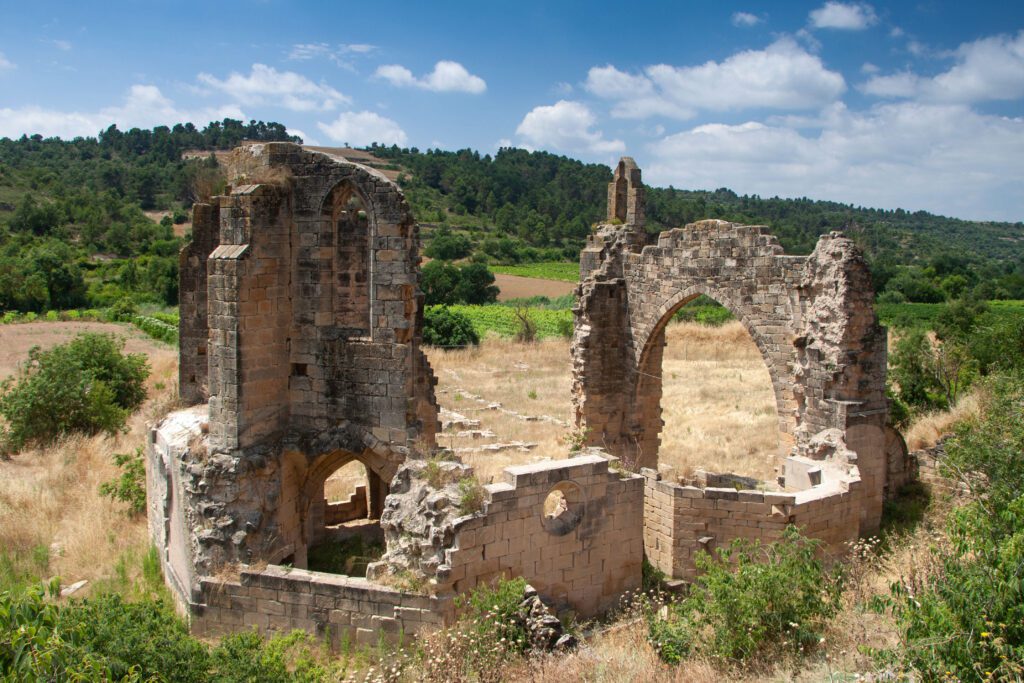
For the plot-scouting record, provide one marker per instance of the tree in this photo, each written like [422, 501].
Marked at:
[476, 285]
[87, 385]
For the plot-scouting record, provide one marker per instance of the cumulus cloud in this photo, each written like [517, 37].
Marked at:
[144, 106]
[362, 128]
[266, 85]
[447, 76]
[987, 69]
[745, 19]
[941, 157]
[5, 64]
[782, 76]
[844, 16]
[565, 126]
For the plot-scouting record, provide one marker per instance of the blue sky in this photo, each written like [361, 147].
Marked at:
[918, 105]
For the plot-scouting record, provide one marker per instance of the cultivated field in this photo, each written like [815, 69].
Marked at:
[519, 287]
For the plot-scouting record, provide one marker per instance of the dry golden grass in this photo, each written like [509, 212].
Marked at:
[718, 404]
[925, 430]
[52, 518]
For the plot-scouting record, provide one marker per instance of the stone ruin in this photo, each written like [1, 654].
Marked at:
[812, 319]
[301, 333]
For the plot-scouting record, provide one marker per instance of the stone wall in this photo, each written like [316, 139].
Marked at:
[585, 558]
[811, 318]
[193, 323]
[582, 549]
[344, 609]
[680, 521]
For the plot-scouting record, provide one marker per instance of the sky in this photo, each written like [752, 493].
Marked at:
[916, 105]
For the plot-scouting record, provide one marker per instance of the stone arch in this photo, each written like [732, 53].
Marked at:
[649, 344]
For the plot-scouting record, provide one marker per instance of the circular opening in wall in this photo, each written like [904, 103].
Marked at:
[563, 509]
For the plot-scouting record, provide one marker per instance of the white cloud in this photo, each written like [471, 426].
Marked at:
[845, 16]
[782, 76]
[868, 68]
[266, 85]
[6, 64]
[565, 126]
[987, 69]
[745, 19]
[900, 84]
[339, 54]
[943, 158]
[363, 127]
[62, 45]
[144, 106]
[447, 76]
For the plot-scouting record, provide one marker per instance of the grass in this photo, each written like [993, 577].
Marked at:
[348, 556]
[718, 403]
[53, 520]
[548, 270]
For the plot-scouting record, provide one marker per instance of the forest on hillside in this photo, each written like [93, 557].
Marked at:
[520, 206]
[74, 230]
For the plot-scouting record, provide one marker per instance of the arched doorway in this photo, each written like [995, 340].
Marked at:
[344, 498]
[705, 396]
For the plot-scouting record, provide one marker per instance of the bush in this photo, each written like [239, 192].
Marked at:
[444, 327]
[965, 621]
[750, 599]
[472, 495]
[492, 614]
[87, 385]
[130, 487]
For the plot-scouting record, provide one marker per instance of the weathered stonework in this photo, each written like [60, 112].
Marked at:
[301, 326]
[812, 319]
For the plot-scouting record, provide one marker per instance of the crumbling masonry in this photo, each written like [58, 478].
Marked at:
[813, 321]
[301, 321]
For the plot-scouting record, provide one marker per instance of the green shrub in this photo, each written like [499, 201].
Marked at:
[750, 599]
[492, 614]
[130, 487]
[86, 385]
[145, 637]
[965, 621]
[35, 645]
[444, 327]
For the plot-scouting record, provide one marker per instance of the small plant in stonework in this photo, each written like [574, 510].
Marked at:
[576, 439]
[472, 495]
[435, 473]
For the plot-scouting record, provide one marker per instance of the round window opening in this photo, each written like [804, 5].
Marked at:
[563, 509]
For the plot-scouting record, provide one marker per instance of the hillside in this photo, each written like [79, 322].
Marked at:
[78, 218]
